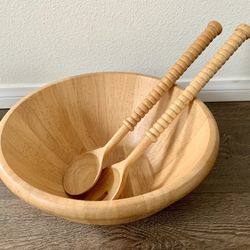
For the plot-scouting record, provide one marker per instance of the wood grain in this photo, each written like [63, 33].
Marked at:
[44, 131]
[199, 221]
[231, 172]
[215, 216]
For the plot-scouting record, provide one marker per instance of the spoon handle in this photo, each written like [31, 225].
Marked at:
[198, 46]
[241, 34]
[212, 30]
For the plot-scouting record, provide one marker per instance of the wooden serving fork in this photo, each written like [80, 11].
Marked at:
[113, 178]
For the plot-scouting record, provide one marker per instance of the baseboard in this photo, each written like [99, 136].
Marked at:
[224, 90]
[218, 90]
[11, 93]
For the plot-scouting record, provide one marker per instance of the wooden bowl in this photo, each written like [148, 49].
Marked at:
[40, 135]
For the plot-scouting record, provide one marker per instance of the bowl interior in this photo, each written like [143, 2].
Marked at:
[48, 128]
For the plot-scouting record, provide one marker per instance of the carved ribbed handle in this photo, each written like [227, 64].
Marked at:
[241, 34]
[205, 38]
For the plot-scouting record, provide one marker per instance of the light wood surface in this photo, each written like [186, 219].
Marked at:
[113, 180]
[198, 221]
[91, 163]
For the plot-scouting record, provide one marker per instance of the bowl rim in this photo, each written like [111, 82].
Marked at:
[108, 212]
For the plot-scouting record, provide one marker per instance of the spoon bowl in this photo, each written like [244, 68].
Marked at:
[83, 172]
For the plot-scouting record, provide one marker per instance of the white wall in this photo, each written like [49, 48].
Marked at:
[45, 40]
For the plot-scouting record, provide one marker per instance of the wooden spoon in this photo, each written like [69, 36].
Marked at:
[86, 168]
[113, 178]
